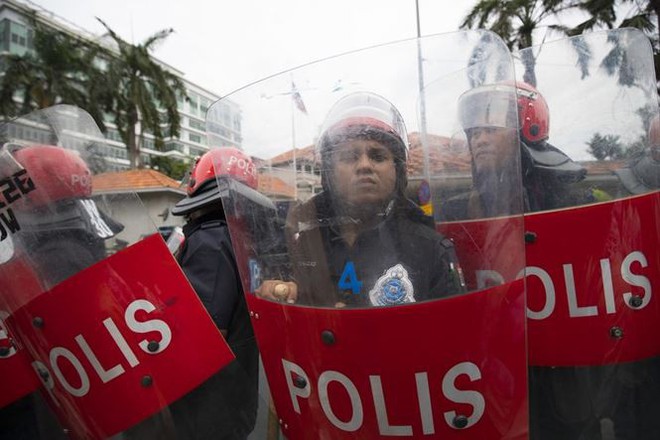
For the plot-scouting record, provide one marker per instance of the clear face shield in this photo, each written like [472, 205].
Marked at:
[367, 110]
[493, 106]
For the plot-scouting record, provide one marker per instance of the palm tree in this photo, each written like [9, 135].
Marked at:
[515, 21]
[640, 14]
[138, 91]
[57, 70]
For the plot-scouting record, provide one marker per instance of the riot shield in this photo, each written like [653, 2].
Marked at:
[359, 303]
[591, 177]
[90, 291]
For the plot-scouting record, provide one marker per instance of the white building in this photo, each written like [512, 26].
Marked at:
[16, 38]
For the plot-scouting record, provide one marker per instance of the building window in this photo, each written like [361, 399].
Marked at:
[195, 138]
[197, 125]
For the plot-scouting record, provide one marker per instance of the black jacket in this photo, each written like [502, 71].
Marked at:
[328, 271]
[225, 406]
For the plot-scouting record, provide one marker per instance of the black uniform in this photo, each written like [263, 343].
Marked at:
[547, 176]
[328, 270]
[225, 406]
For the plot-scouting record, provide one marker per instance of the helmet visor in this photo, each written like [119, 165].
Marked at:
[489, 106]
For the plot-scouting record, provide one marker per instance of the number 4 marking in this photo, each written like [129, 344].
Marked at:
[349, 279]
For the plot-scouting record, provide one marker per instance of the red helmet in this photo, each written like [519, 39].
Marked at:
[492, 105]
[57, 174]
[202, 185]
[533, 113]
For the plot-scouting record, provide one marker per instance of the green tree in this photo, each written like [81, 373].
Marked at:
[59, 69]
[174, 168]
[139, 92]
[604, 147]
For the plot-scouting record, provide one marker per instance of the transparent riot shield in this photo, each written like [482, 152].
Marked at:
[591, 183]
[358, 296]
[90, 292]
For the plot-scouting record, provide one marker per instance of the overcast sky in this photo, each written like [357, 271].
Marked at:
[223, 45]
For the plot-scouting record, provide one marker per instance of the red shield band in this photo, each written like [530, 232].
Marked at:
[433, 368]
[111, 342]
[591, 278]
[591, 274]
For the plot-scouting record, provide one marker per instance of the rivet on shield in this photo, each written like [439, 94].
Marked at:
[299, 382]
[286, 426]
[153, 346]
[251, 314]
[256, 316]
[635, 301]
[147, 381]
[616, 332]
[44, 375]
[328, 337]
[4, 351]
[280, 421]
[530, 237]
[38, 322]
[460, 422]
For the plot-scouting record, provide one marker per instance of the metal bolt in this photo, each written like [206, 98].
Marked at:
[44, 375]
[251, 314]
[256, 316]
[460, 422]
[147, 381]
[530, 237]
[299, 382]
[616, 332]
[328, 337]
[153, 346]
[635, 301]
[38, 322]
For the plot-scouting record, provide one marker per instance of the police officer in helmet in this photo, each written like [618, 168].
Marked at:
[361, 242]
[498, 119]
[225, 406]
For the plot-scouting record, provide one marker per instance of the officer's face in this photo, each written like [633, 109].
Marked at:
[493, 148]
[364, 172]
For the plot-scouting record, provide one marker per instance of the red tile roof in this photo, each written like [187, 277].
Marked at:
[441, 155]
[306, 153]
[134, 180]
[274, 186]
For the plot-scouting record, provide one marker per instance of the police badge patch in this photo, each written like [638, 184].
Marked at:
[394, 287]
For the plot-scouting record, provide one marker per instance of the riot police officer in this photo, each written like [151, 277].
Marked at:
[497, 119]
[225, 406]
[361, 242]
